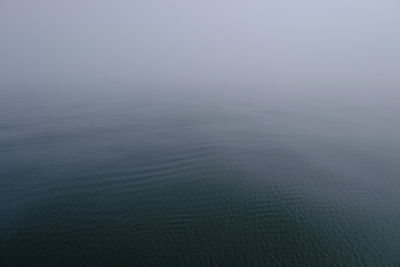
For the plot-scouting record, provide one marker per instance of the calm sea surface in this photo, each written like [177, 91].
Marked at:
[199, 178]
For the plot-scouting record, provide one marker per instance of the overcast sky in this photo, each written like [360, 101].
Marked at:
[246, 41]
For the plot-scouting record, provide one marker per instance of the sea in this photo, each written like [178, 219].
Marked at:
[199, 175]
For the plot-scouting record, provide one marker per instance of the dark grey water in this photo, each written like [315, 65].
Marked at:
[196, 178]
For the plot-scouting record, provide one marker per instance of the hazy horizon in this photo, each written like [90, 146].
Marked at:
[327, 44]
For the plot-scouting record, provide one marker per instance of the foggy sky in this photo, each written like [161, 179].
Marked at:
[331, 42]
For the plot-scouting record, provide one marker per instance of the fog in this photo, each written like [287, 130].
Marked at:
[328, 45]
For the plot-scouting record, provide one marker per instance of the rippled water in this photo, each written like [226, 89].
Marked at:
[179, 178]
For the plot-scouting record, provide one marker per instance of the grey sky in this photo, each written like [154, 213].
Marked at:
[246, 41]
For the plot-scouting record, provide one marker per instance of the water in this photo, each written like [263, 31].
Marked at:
[156, 177]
